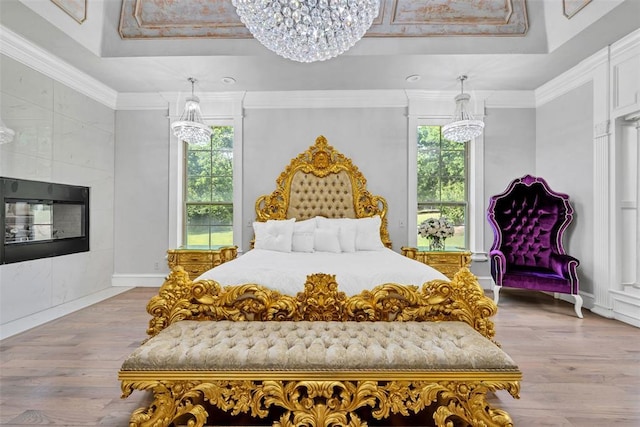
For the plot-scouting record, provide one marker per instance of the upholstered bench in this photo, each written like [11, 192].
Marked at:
[320, 358]
[324, 369]
[329, 348]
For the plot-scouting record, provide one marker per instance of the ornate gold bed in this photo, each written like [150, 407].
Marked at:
[192, 365]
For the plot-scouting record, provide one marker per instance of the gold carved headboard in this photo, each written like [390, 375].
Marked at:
[322, 182]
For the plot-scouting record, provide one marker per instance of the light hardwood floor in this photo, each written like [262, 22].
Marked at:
[577, 372]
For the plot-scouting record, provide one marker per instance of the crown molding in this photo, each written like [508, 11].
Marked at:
[174, 102]
[33, 56]
[431, 95]
[141, 101]
[487, 98]
[321, 99]
[571, 79]
[326, 99]
[626, 46]
[508, 98]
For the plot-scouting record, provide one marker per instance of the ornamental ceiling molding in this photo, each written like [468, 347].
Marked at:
[141, 19]
[77, 9]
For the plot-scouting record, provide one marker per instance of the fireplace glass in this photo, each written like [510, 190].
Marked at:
[37, 220]
[43, 220]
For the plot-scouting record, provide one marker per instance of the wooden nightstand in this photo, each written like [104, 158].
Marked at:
[446, 262]
[197, 261]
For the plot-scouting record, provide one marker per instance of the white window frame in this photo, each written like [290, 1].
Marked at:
[229, 108]
[467, 179]
[476, 202]
[185, 149]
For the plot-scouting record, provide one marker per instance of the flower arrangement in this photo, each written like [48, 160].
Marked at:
[436, 230]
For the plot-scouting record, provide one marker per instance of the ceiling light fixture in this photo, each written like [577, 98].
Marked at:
[6, 134]
[462, 127]
[190, 128]
[307, 30]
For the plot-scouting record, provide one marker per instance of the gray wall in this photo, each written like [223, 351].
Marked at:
[509, 153]
[64, 137]
[374, 138]
[142, 195]
[564, 157]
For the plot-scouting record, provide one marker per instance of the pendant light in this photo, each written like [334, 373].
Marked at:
[462, 127]
[191, 128]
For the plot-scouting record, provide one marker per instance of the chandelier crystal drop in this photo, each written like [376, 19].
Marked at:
[462, 127]
[191, 128]
[307, 30]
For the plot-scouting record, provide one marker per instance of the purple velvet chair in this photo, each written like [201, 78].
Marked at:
[528, 221]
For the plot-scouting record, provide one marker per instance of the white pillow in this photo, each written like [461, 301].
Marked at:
[347, 236]
[274, 235]
[326, 240]
[368, 234]
[303, 238]
[347, 231]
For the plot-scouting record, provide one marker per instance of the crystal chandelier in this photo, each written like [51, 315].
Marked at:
[190, 128]
[307, 30]
[6, 134]
[462, 127]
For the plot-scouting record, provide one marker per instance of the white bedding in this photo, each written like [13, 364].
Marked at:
[355, 272]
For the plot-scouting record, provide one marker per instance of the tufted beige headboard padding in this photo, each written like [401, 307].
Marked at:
[330, 196]
[322, 182]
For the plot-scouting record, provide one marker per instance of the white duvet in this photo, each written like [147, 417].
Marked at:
[287, 272]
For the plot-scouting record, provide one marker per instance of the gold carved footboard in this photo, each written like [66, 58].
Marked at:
[461, 299]
[331, 396]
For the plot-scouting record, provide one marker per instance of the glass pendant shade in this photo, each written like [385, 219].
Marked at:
[191, 128]
[6, 134]
[307, 30]
[462, 127]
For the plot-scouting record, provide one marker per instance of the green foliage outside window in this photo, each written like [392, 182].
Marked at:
[442, 182]
[209, 191]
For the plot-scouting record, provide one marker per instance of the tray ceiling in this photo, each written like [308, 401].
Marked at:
[398, 18]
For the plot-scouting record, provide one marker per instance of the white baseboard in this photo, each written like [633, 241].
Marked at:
[138, 280]
[626, 307]
[602, 311]
[25, 323]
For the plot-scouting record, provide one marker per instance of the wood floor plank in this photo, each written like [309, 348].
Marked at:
[577, 372]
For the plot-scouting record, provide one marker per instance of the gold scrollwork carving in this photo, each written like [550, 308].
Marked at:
[320, 403]
[462, 299]
[321, 159]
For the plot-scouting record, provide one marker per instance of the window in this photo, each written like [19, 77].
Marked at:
[442, 183]
[209, 191]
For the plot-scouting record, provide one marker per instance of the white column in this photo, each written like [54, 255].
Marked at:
[637, 281]
[601, 239]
